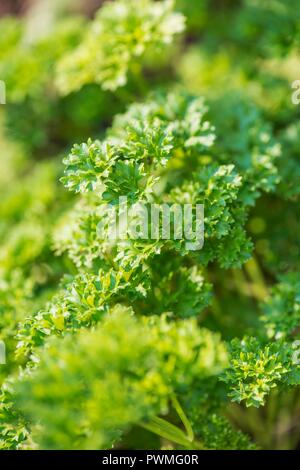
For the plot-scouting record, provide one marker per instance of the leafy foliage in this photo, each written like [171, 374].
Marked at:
[255, 370]
[122, 341]
[143, 374]
[119, 36]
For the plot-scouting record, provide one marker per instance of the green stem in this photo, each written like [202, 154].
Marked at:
[172, 433]
[139, 79]
[256, 276]
[169, 431]
[183, 417]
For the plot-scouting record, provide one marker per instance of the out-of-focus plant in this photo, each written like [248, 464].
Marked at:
[116, 42]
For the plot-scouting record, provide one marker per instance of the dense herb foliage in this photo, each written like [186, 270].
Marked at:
[142, 342]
